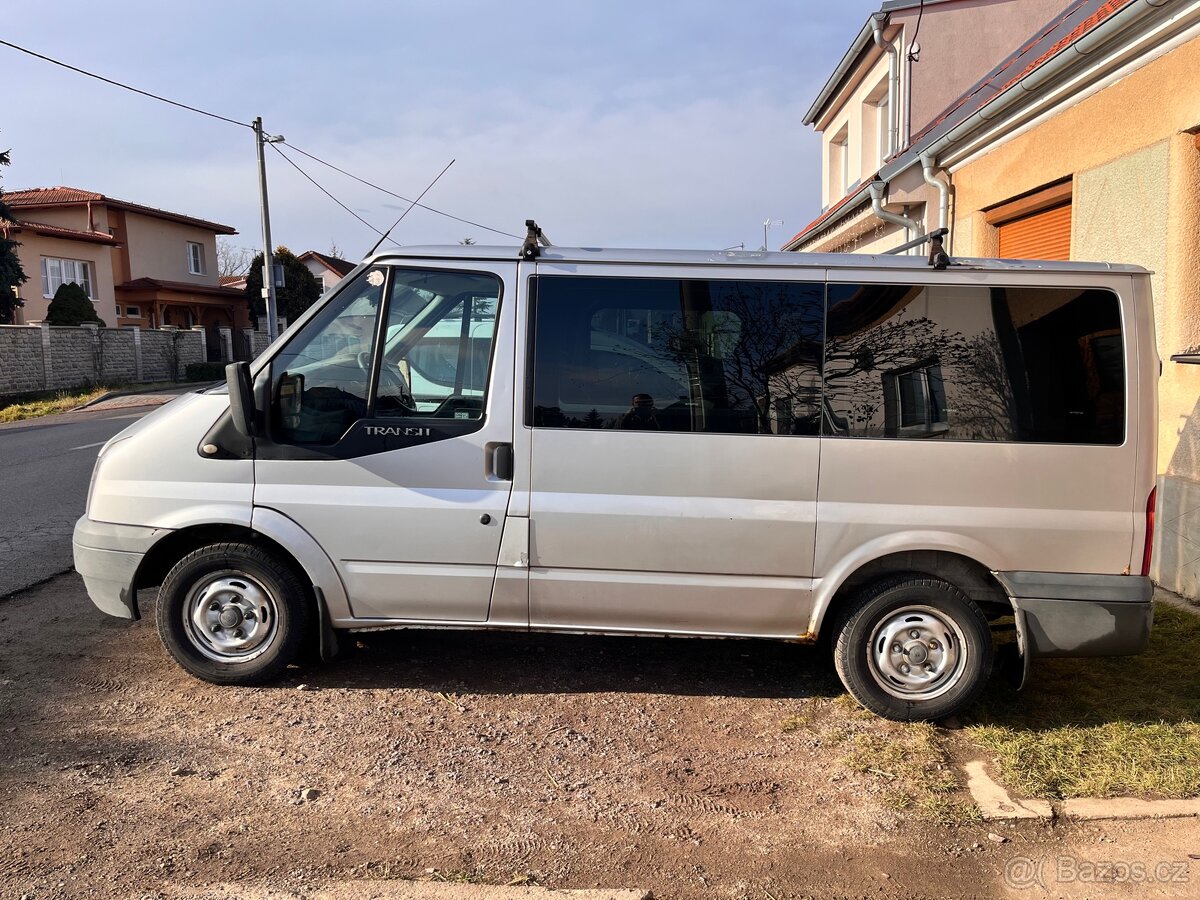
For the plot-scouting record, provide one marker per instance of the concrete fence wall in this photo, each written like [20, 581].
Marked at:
[48, 357]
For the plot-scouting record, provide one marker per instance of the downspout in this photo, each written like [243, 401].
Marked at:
[941, 181]
[912, 227]
[878, 21]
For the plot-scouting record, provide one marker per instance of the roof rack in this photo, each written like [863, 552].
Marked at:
[535, 239]
[938, 257]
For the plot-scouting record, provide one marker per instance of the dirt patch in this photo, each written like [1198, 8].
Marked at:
[690, 768]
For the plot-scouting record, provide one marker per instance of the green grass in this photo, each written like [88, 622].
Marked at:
[33, 406]
[906, 762]
[48, 404]
[1103, 727]
[914, 769]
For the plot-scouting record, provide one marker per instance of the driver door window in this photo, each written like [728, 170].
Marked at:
[434, 363]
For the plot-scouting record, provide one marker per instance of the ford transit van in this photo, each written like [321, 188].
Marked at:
[905, 459]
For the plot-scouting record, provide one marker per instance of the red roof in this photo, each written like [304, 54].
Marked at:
[1016, 68]
[58, 231]
[859, 193]
[41, 198]
[340, 266]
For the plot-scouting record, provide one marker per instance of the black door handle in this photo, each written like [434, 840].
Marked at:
[502, 461]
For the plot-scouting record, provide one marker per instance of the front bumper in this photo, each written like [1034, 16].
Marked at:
[1080, 615]
[108, 556]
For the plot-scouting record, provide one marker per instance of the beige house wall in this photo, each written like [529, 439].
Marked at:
[1136, 199]
[157, 248]
[35, 246]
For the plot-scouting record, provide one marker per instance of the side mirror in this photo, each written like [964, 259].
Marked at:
[241, 398]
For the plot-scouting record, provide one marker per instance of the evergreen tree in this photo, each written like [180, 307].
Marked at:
[300, 289]
[11, 273]
[71, 306]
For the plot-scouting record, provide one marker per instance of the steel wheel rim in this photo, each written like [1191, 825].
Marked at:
[917, 653]
[230, 617]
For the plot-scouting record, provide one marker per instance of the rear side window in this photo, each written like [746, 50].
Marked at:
[682, 355]
[975, 364]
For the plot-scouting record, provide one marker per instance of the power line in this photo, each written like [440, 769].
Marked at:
[398, 196]
[320, 188]
[212, 115]
[124, 86]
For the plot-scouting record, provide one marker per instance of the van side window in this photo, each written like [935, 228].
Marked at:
[683, 355]
[964, 362]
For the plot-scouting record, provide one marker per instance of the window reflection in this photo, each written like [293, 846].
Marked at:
[974, 363]
[738, 357]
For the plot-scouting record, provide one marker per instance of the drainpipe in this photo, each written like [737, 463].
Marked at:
[878, 21]
[941, 181]
[912, 228]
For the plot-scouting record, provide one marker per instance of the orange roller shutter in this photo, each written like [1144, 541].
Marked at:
[1043, 235]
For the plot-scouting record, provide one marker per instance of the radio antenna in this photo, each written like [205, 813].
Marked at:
[384, 237]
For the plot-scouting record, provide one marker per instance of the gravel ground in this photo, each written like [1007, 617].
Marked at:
[569, 762]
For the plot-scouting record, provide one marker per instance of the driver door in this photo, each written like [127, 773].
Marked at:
[390, 437]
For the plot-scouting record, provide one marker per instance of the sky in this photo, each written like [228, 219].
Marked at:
[620, 124]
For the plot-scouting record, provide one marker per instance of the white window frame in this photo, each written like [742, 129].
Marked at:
[133, 312]
[57, 271]
[195, 258]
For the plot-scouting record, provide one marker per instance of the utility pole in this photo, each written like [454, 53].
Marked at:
[268, 274]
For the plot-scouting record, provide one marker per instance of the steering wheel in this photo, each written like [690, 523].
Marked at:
[390, 376]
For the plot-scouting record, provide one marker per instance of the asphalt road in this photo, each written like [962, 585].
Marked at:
[45, 467]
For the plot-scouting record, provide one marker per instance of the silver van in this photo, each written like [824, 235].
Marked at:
[907, 460]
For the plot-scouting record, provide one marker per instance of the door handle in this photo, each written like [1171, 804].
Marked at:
[501, 461]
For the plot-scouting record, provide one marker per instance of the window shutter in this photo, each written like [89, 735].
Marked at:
[1042, 235]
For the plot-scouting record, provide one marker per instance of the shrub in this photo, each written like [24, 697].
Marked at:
[205, 371]
[71, 306]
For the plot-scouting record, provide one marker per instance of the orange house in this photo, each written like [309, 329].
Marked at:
[155, 267]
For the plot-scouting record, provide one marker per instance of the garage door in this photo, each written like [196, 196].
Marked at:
[1042, 235]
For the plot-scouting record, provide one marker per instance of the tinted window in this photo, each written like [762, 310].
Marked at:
[975, 363]
[739, 357]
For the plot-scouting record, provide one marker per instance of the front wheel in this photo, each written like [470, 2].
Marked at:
[914, 649]
[232, 613]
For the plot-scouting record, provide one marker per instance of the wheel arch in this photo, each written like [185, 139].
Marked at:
[269, 530]
[964, 567]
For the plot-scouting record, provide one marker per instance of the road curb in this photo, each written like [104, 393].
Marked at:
[995, 803]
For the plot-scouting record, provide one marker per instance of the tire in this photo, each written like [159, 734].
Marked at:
[914, 648]
[233, 613]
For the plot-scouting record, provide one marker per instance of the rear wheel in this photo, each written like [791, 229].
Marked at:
[232, 613]
[914, 648]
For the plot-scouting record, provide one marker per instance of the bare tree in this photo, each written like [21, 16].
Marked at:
[334, 250]
[232, 260]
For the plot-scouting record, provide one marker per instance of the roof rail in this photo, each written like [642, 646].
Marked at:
[937, 256]
[535, 239]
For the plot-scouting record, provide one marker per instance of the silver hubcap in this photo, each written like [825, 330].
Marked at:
[917, 653]
[230, 617]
